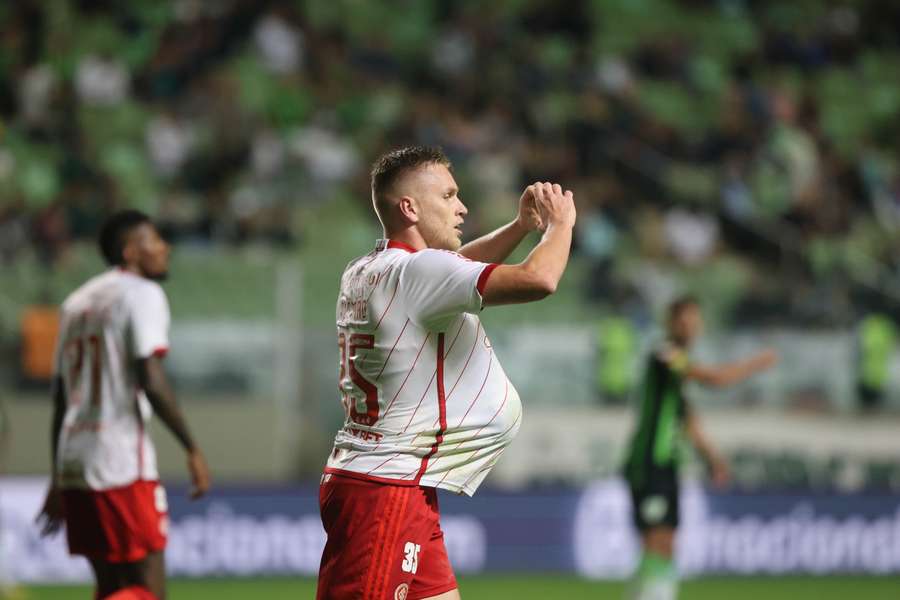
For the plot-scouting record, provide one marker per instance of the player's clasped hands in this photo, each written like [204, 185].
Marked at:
[550, 205]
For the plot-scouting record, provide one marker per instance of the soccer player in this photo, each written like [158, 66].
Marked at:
[651, 467]
[114, 333]
[428, 405]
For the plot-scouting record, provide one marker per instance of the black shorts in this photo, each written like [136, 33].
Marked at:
[655, 502]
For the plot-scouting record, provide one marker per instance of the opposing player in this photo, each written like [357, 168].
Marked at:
[428, 404]
[651, 467]
[110, 379]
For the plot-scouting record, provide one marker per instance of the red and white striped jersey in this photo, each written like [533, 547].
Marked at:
[426, 399]
[106, 325]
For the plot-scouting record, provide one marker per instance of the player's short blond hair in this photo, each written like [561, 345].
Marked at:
[393, 165]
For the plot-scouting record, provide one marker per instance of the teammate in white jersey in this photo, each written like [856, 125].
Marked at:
[428, 404]
[114, 333]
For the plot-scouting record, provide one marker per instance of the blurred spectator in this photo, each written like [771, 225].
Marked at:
[750, 134]
[691, 236]
[876, 346]
[101, 81]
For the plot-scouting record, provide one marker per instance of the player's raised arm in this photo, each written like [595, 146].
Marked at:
[495, 247]
[152, 378]
[731, 373]
[538, 275]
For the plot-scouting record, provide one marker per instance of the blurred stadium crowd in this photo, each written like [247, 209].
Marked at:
[753, 143]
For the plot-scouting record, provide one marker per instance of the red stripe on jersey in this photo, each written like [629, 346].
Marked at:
[477, 433]
[478, 395]
[373, 469]
[397, 341]
[390, 302]
[421, 398]
[442, 408]
[489, 465]
[466, 366]
[402, 385]
[470, 408]
[462, 321]
[482, 279]
[401, 246]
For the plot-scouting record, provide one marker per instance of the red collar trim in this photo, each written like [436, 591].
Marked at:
[383, 244]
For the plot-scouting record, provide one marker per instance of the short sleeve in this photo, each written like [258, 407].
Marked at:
[149, 322]
[439, 285]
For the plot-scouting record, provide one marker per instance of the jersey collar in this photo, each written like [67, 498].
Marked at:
[385, 244]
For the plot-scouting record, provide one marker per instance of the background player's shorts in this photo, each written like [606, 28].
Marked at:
[655, 503]
[132, 593]
[119, 525]
[384, 542]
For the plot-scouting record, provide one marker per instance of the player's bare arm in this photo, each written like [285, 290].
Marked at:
[50, 518]
[717, 466]
[538, 275]
[495, 247]
[731, 373]
[152, 378]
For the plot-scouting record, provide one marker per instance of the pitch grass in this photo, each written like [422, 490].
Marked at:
[541, 587]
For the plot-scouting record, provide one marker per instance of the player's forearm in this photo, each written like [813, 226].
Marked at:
[727, 374]
[166, 409]
[699, 441]
[537, 276]
[549, 258]
[153, 379]
[495, 247]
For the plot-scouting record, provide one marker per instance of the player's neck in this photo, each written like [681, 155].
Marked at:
[130, 269]
[409, 236]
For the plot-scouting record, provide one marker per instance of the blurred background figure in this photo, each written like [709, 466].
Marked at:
[665, 418]
[744, 152]
[876, 339]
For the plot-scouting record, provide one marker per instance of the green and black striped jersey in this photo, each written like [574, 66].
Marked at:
[662, 410]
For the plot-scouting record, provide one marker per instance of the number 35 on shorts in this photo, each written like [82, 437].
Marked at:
[411, 558]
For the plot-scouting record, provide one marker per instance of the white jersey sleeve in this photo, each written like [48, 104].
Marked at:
[148, 319]
[439, 285]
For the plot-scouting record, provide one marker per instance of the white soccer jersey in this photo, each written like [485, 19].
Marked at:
[106, 325]
[427, 401]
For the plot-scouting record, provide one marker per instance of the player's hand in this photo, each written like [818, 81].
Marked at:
[199, 471]
[50, 519]
[529, 217]
[556, 207]
[720, 473]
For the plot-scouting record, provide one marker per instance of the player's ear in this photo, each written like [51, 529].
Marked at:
[409, 209]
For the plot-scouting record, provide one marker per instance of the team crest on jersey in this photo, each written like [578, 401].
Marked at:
[401, 592]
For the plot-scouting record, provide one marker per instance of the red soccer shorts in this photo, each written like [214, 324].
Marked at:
[384, 542]
[119, 525]
[132, 593]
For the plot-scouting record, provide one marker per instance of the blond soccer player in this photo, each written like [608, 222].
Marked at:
[427, 402]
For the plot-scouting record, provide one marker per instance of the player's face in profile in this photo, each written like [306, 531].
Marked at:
[441, 210]
[151, 252]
